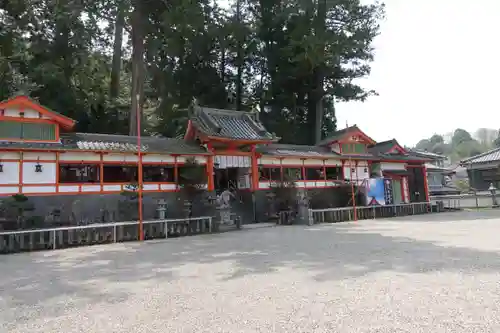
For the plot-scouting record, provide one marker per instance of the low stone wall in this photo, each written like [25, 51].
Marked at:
[85, 209]
[103, 233]
[333, 215]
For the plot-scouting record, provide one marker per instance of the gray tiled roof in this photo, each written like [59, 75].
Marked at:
[338, 134]
[296, 150]
[111, 142]
[382, 147]
[489, 156]
[230, 124]
[381, 150]
[427, 154]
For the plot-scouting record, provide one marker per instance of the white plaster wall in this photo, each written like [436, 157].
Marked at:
[393, 166]
[10, 174]
[11, 112]
[120, 158]
[361, 174]
[39, 156]
[332, 162]
[28, 113]
[7, 155]
[39, 189]
[292, 161]
[312, 161]
[335, 148]
[47, 176]
[157, 158]
[9, 190]
[347, 172]
[268, 161]
[77, 157]
[68, 188]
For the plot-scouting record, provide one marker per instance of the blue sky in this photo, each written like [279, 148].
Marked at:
[436, 68]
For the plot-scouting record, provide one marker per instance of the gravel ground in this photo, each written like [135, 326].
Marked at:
[434, 273]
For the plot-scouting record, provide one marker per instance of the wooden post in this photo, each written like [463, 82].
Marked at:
[426, 184]
[210, 174]
[255, 170]
[139, 169]
[101, 171]
[352, 192]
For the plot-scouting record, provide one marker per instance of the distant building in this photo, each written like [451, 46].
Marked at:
[438, 175]
[483, 169]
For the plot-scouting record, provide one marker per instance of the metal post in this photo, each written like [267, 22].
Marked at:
[114, 233]
[374, 212]
[210, 224]
[165, 225]
[54, 236]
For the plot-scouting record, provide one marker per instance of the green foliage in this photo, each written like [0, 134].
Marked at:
[496, 142]
[192, 179]
[290, 60]
[462, 144]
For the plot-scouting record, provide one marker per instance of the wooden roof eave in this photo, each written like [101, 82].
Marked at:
[65, 122]
[312, 157]
[55, 150]
[240, 141]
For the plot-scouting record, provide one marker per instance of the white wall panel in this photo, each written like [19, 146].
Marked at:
[47, 176]
[79, 157]
[10, 174]
[39, 189]
[120, 158]
[39, 156]
[158, 158]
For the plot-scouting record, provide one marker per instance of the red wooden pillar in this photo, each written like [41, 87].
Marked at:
[176, 173]
[426, 183]
[403, 192]
[281, 169]
[254, 170]
[210, 173]
[101, 171]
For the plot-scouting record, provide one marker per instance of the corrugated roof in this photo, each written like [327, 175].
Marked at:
[111, 142]
[489, 156]
[230, 124]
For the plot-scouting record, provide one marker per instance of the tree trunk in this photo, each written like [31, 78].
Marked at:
[137, 91]
[320, 29]
[114, 87]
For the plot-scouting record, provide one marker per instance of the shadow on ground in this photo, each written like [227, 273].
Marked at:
[330, 253]
[455, 216]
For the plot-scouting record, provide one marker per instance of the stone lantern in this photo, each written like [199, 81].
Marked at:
[493, 191]
[161, 209]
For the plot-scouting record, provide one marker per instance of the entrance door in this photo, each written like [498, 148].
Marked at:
[396, 191]
[226, 178]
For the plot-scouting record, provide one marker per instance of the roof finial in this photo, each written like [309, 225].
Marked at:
[346, 124]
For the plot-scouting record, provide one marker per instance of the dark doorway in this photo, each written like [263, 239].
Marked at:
[416, 184]
[225, 179]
